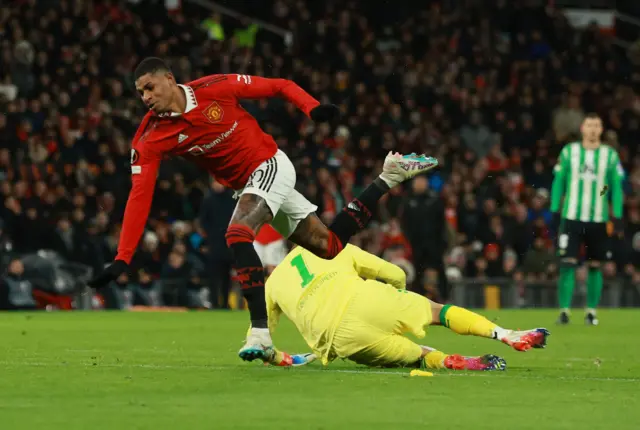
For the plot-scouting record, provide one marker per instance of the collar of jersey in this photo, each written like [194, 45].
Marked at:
[192, 103]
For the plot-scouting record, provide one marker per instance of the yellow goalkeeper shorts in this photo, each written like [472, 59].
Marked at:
[372, 329]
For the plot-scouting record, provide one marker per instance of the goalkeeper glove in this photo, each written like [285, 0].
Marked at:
[303, 359]
[324, 113]
[282, 359]
[111, 273]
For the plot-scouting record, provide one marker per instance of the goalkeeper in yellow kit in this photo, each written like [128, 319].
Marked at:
[356, 306]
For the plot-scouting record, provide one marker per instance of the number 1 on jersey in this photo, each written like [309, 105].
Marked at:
[298, 263]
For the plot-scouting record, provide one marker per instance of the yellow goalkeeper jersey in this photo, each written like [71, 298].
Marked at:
[314, 293]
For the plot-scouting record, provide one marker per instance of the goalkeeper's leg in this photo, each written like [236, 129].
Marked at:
[397, 351]
[466, 322]
[401, 311]
[373, 327]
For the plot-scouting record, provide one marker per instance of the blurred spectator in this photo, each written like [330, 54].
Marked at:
[215, 213]
[492, 92]
[567, 118]
[476, 136]
[394, 239]
[214, 28]
[424, 224]
[520, 231]
[539, 263]
[65, 238]
[6, 246]
[16, 292]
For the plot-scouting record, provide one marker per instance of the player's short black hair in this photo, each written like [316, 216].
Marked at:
[150, 65]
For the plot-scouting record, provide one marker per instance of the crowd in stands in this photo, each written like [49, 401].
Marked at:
[492, 92]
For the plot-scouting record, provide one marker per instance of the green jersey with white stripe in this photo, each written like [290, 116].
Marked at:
[586, 178]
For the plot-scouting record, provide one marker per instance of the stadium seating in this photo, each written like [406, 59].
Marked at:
[492, 93]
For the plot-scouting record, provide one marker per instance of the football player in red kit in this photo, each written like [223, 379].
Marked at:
[203, 122]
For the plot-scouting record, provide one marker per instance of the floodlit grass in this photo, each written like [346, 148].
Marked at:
[103, 370]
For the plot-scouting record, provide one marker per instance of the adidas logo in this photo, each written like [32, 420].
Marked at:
[182, 137]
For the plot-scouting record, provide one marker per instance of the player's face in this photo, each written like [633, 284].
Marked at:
[155, 91]
[591, 129]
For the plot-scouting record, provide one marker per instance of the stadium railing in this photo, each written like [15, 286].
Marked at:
[496, 293]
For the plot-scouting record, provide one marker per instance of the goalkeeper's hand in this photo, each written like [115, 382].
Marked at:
[282, 359]
[303, 359]
[109, 274]
[325, 113]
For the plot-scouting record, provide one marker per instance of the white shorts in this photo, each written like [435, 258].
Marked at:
[275, 181]
[271, 254]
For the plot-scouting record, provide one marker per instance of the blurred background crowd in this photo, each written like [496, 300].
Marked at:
[492, 89]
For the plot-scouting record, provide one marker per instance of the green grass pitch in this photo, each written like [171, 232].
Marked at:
[103, 370]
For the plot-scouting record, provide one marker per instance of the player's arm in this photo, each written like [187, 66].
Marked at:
[144, 170]
[256, 87]
[559, 182]
[143, 178]
[369, 266]
[615, 179]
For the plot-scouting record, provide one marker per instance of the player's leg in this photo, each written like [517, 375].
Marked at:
[250, 214]
[401, 311]
[569, 239]
[367, 331]
[434, 359]
[267, 189]
[594, 292]
[396, 350]
[328, 242]
[466, 322]
[597, 240]
[373, 326]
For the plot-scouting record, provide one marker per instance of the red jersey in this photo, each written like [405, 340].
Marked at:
[214, 132]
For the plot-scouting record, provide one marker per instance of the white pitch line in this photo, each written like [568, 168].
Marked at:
[313, 370]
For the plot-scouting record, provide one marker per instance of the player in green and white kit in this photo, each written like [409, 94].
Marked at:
[586, 174]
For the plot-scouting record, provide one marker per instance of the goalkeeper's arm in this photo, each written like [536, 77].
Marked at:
[369, 266]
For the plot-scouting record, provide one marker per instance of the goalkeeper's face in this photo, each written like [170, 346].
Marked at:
[156, 91]
[591, 129]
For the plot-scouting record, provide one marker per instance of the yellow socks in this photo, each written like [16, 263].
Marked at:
[434, 360]
[466, 322]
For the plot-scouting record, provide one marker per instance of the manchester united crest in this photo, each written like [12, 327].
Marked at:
[213, 112]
